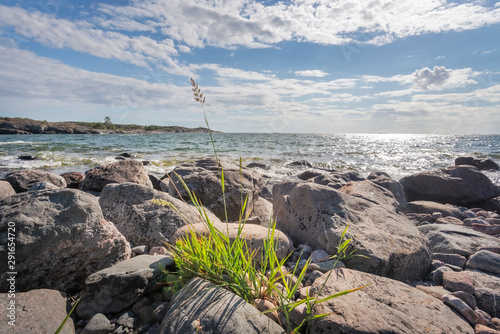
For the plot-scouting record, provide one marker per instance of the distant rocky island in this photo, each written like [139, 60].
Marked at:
[16, 125]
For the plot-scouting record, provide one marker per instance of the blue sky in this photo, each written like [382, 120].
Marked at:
[430, 66]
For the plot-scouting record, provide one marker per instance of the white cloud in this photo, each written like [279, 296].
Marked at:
[439, 78]
[29, 76]
[312, 73]
[250, 23]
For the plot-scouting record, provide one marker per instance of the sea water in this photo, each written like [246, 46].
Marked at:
[396, 154]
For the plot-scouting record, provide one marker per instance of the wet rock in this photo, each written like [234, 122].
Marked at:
[485, 261]
[258, 165]
[122, 171]
[299, 164]
[204, 179]
[27, 157]
[454, 239]
[36, 311]
[21, 181]
[213, 310]
[454, 185]
[384, 306]
[318, 215]
[65, 226]
[116, 288]
[308, 174]
[133, 210]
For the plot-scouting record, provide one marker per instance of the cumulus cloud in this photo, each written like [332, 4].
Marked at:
[311, 73]
[439, 78]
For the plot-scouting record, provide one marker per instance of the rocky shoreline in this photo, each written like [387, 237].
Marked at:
[25, 126]
[430, 246]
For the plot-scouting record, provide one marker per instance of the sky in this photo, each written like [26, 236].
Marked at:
[325, 66]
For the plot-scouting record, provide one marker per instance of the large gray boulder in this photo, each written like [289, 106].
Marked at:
[215, 310]
[112, 290]
[460, 185]
[385, 306]
[204, 179]
[118, 172]
[384, 180]
[485, 261]
[455, 239]
[317, 215]
[21, 181]
[61, 237]
[131, 208]
[35, 311]
[371, 192]
[254, 235]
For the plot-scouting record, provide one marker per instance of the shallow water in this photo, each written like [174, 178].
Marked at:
[397, 154]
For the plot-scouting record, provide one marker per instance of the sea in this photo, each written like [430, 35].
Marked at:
[398, 155]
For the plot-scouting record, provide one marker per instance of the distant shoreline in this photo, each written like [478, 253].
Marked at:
[16, 125]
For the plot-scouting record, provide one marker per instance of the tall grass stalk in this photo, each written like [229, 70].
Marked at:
[232, 264]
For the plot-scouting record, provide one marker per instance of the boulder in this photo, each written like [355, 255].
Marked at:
[309, 174]
[98, 324]
[203, 177]
[317, 215]
[61, 238]
[118, 172]
[458, 281]
[455, 239]
[253, 234]
[462, 185]
[428, 207]
[114, 289]
[21, 181]
[6, 189]
[73, 179]
[262, 212]
[453, 259]
[486, 291]
[485, 261]
[371, 192]
[384, 180]
[258, 165]
[384, 306]
[212, 309]
[337, 180]
[299, 164]
[43, 186]
[36, 311]
[131, 208]
[481, 164]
